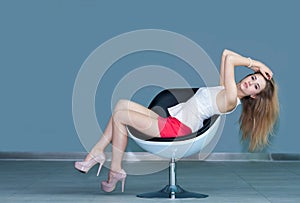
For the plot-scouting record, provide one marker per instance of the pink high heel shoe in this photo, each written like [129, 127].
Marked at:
[85, 166]
[114, 178]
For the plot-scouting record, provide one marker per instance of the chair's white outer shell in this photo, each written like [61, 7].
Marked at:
[179, 149]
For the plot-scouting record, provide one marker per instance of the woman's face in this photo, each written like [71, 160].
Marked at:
[252, 85]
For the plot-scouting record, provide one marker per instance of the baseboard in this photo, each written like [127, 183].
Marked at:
[144, 156]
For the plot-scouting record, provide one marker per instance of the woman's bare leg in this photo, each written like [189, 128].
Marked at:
[106, 138]
[120, 120]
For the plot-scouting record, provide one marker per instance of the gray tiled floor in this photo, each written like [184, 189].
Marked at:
[42, 181]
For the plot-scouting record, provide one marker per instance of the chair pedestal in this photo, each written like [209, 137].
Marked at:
[172, 190]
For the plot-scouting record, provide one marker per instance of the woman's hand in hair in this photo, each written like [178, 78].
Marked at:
[265, 70]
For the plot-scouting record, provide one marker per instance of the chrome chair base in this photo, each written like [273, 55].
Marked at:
[172, 192]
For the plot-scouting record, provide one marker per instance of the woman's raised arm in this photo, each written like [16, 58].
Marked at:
[224, 54]
[253, 64]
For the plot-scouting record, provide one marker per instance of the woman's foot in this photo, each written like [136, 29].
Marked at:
[113, 179]
[85, 166]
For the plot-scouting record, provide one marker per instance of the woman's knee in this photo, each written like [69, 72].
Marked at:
[119, 116]
[119, 121]
[122, 104]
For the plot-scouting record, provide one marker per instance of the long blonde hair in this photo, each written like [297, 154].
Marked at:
[259, 116]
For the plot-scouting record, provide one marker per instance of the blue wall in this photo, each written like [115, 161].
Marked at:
[44, 43]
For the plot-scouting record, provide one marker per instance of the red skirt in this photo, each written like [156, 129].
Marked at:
[171, 127]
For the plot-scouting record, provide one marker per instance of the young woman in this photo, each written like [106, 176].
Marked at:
[257, 92]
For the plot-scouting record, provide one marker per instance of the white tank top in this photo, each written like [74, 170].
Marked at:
[198, 108]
